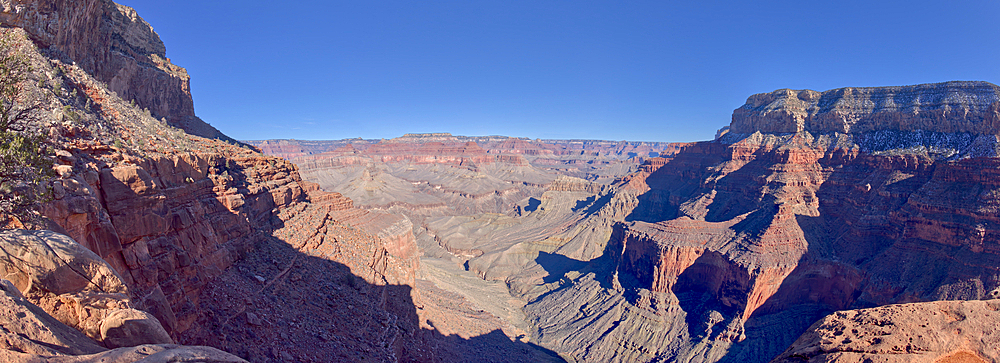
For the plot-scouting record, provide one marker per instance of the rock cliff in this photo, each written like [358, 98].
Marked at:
[951, 107]
[113, 44]
[752, 237]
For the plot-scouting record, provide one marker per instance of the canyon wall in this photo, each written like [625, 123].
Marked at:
[430, 175]
[171, 221]
[118, 48]
[950, 107]
[290, 149]
[726, 250]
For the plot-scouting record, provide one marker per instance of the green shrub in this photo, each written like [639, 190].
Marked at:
[24, 168]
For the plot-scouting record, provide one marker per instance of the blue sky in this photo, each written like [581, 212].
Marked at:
[614, 70]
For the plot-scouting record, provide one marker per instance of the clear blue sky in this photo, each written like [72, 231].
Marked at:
[615, 70]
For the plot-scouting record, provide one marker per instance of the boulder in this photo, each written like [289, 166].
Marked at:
[131, 327]
[29, 334]
[76, 286]
[47, 262]
[28, 329]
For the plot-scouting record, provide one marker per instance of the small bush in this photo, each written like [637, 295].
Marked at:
[24, 168]
[23, 172]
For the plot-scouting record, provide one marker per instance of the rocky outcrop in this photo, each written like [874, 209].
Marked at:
[30, 334]
[40, 333]
[951, 107]
[113, 44]
[77, 287]
[939, 331]
[169, 224]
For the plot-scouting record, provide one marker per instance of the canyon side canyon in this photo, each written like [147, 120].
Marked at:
[851, 225]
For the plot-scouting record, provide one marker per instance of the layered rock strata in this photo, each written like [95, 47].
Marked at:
[291, 149]
[432, 177]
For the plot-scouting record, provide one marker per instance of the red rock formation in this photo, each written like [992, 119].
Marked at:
[182, 218]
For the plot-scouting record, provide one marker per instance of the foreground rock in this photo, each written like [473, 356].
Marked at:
[30, 334]
[940, 331]
[77, 287]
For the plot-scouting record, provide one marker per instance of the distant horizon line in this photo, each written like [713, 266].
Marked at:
[430, 135]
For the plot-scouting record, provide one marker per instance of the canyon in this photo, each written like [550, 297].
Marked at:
[847, 225]
[184, 226]
[808, 203]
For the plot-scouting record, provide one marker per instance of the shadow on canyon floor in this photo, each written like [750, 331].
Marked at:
[278, 304]
[557, 265]
[593, 204]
